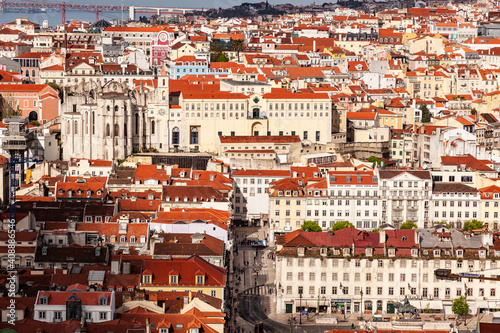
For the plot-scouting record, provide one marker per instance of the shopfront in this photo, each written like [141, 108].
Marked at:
[341, 305]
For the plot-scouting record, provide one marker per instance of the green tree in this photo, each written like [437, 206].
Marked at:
[473, 225]
[56, 87]
[460, 306]
[447, 225]
[374, 160]
[408, 225]
[342, 225]
[473, 111]
[222, 58]
[8, 105]
[376, 230]
[310, 226]
[215, 51]
[426, 114]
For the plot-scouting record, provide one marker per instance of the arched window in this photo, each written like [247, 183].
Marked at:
[68, 127]
[87, 121]
[33, 116]
[194, 135]
[112, 239]
[117, 130]
[125, 133]
[108, 130]
[116, 108]
[175, 136]
[133, 239]
[108, 108]
[93, 122]
[123, 239]
[152, 127]
[136, 123]
[76, 127]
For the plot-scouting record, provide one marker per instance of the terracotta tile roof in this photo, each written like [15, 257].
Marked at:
[388, 174]
[468, 160]
[440, 187]
[72, 253]
[184, 245]
[261, 173]
[361, 115]
[87, 298]
[113, 229]
[186, 269]
[219, 217]
[87, 190]
[139, 205]
[200, 193]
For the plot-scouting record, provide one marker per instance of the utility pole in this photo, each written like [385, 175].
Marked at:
[300, 315]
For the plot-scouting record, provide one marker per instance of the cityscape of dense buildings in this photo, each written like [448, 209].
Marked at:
[283, 168]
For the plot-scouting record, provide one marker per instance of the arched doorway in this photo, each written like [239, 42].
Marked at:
[257, 128]
[33, 116]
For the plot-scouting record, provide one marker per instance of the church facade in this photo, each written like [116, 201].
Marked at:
[112, 121]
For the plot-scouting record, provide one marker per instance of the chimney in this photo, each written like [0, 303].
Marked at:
[382, 236]
[314, 46]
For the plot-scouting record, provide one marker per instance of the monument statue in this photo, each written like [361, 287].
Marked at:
[405, 307]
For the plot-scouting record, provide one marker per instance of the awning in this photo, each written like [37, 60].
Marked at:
[494, 304]
[424, 303]
[482, 304]
[306, 303]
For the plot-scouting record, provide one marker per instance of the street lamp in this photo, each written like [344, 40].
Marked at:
[465, 315]
[343, 308]
[361, 293]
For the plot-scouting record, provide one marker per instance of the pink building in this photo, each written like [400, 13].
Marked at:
[37, 101]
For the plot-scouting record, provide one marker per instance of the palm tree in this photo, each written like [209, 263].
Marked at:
[238, 45]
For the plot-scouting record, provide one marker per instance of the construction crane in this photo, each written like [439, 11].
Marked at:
[446, 274]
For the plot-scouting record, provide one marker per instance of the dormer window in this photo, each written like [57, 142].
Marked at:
[146, 279]
[482, 253]
[392, 252]
[414, 252]
[200, 279]
[369, 251]
[44, 300]
[346, 251]
[173, 279]
[460, 253]
[323, 251]
[103, 301]
[301, 251]
[437, 253]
